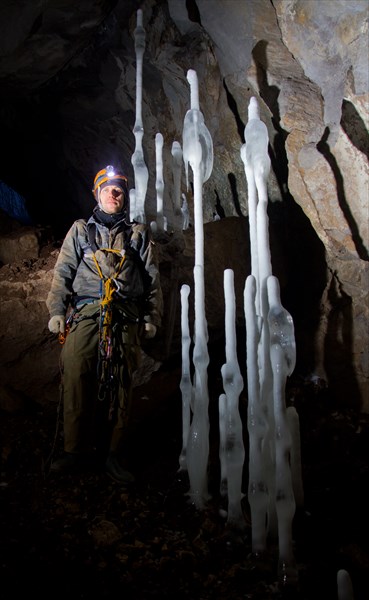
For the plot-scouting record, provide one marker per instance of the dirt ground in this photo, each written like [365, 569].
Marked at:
[83, 536]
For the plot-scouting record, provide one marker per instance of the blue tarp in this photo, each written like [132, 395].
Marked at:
[13, 204]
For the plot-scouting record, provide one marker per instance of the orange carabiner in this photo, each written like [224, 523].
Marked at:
[63, 336]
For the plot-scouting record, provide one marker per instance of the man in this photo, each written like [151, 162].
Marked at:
[104, 295]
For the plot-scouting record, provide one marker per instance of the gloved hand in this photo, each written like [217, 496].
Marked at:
[57, 324]
[150, 331]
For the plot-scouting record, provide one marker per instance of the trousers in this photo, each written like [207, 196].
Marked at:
[90, 424]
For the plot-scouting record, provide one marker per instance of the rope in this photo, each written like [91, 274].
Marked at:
[105, 368]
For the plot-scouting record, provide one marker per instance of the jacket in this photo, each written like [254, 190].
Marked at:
[76, 274]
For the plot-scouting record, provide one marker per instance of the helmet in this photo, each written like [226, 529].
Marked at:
[110, 176]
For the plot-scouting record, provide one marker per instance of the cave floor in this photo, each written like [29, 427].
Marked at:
[84, 536]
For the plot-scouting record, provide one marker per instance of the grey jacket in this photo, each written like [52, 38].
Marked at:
[76, 275]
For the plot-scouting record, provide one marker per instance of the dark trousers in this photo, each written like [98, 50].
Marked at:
[88, 422]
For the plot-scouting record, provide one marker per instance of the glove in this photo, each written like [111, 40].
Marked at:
[57, 324]
[150, 331]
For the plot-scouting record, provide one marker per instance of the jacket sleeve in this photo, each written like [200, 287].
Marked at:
[149, 256]
[65, 269]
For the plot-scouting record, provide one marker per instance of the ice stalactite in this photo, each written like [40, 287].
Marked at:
[198, 153]
[233, 386]
[140, 170]
[186, 384]
[177, 155]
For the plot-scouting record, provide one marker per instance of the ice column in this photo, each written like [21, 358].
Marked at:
[159, 182]
[177, 155]
[141, 173]
[185, 385]
[233, 385]
[198, 153]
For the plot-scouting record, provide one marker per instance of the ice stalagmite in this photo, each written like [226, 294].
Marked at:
[344, 585]
[257, 167]
[222, 444]
[185, 213]
[140, 170]
[257, 424]
[132, 204]
[233, 386]
[159, 183]
[198, 438]
[185, 385]
[254, 154]
[198, 153]
[283, 359]
[271, 355]
[177, 155]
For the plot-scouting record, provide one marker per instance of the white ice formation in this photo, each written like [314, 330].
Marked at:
[232, 425]
[177, 158]
[186, 384]
[344, 585]
[159, 183]
[283, 359]
[185, 213]
[140, 170]
[198, 153]
[271, 354]
[222, 445]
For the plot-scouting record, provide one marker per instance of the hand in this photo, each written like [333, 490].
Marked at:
[150, 331]
[57, 324]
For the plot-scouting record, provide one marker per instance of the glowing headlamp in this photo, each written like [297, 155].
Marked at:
[110, 171]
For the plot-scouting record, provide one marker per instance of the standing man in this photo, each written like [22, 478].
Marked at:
[104, 296]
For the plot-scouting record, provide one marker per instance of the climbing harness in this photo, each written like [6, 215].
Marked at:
[105, 368]
[107, 365]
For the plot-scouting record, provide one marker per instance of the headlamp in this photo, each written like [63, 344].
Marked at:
[110, 171]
